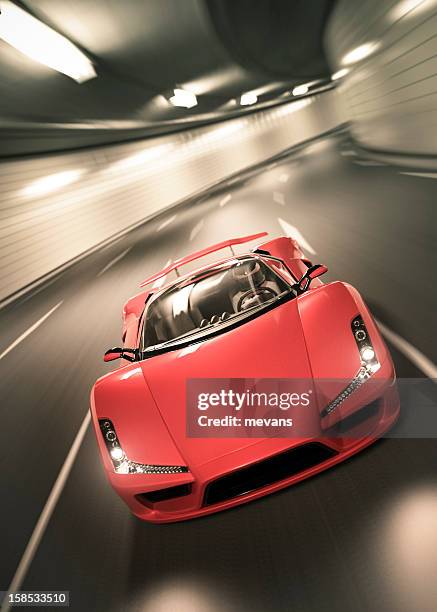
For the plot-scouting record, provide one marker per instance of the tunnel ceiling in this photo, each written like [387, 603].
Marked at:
[143, 49]
[281, 39]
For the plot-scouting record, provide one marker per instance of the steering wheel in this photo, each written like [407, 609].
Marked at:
[255, 297]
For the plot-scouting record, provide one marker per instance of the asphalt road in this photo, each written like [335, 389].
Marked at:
[362, 536]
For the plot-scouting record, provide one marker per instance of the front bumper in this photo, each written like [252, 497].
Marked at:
[379, 413]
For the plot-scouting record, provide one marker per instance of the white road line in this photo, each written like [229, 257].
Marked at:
[365, 162]
[279, 198]
[160, 281]
[225, 200]
[432, 175]
[196, 229]
[284, 178]
[348, 153]
[420, 360]
[29, 331]
[165, 223]
[39, 288]
[294, 233]
[114, 261]
[44, 518]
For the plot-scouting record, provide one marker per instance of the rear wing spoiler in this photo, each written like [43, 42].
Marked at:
[211, 249]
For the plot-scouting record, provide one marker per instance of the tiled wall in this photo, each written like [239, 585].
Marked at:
[390, 96]
[55, 207]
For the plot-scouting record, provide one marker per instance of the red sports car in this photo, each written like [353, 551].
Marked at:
[260, 315]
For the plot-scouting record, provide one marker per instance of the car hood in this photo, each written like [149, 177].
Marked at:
[306, 338]
[271, 345]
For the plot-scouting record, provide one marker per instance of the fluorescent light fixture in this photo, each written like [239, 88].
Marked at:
[300, 90]
[248, 98]
[53, 182]
[339, 74]
[360, 53]
[183, 98]
[410, 8]
[42, 44]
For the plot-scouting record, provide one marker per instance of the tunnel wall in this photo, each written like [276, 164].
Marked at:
[391, 96]
[56, 207]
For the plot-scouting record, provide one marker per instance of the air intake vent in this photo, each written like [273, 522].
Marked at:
[263, 473]
[151, 497]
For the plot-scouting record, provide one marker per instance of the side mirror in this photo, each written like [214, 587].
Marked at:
[120, 353]
[310, 275]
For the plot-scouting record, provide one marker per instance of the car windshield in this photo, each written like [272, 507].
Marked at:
[210, 301]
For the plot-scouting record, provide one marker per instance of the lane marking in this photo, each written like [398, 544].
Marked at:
[38, 289]
[114, 261]
[363, 162]
[29, 331]
[225, 200]
[425, 365]
[165, 223]
[279, 198]
[348, 153]
[196, 229]
[294, 233]
[432, 175]
[46, 514]
[160, 281]
[284, 178]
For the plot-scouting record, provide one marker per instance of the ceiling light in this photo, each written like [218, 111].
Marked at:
[360, 53]
[339, 74]
[408, 8]
[42, 44]
[300, 90]
[248, 98]
[183, 98]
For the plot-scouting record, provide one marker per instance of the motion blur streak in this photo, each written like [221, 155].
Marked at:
[53, 182]
[360, 537]
[125, 184]
[42, 44]
[389, 97]
[110, 561]
[114, 261]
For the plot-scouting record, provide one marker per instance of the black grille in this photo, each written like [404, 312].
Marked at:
[159, 495]
[276, 468]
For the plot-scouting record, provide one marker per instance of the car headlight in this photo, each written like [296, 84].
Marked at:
[123, 465]
[369, 364]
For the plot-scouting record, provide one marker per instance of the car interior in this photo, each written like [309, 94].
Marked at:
[211, 298]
